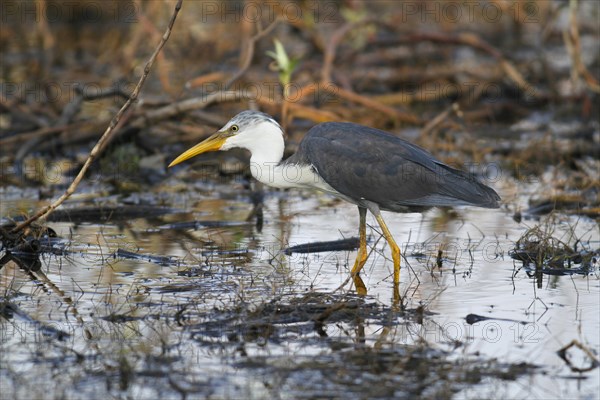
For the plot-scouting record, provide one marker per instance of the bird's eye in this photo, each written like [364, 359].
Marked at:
[234, 128]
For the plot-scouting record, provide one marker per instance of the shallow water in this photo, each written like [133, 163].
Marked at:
[186, 321]
[544, 319]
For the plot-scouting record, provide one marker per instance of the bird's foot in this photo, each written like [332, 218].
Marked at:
[361, 289]
[397, 299]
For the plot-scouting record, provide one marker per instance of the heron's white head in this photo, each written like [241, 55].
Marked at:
[252, 130]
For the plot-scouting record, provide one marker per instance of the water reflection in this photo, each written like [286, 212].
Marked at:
[222, 290]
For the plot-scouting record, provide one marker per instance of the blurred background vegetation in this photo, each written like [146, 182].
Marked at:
[499, 70]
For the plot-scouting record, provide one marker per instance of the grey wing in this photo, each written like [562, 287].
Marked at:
[366, 163]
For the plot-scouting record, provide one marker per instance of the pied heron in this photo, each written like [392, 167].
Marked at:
[368, 167]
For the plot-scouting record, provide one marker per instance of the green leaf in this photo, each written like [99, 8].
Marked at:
[284, 64]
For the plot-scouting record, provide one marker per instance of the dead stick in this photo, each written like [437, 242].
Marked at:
[573, 45]
[197, 103]
[42, 132]
[372, 104]
[439, 119]
[108, 133]
[332, 45]
[326, 72]
[330, 51]
[250, 52]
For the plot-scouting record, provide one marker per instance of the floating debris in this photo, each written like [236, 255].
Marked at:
[202, 224]
[588, 362]
[108, 213]
[160, 260]
[319, 247]
[541, 252]
[25, 247]
[11, 310]
[573, 204]
[475, 318]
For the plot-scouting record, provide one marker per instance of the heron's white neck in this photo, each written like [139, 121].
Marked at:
[266, 144]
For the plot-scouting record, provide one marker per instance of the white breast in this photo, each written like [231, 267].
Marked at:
[284, 176]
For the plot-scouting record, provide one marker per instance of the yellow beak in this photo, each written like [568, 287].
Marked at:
[212, 143]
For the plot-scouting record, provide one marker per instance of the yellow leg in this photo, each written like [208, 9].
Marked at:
[361, 257]
[395, 254]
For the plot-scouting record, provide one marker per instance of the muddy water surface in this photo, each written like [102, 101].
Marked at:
[137, 308]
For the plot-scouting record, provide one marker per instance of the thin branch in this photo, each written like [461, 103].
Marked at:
[431, 125]
[331, 48]
[573, 45]
[373, 104]
[250, 52]
[196, 103]
[41, 132]
[328, 85]
[108, 133]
